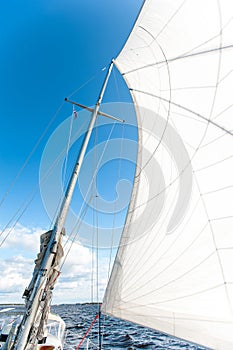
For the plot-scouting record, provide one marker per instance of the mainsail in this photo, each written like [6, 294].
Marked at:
[173, 270]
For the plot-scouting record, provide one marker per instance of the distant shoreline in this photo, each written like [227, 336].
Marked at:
[21, 304]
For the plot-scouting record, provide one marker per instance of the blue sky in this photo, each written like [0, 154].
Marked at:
[48, 50]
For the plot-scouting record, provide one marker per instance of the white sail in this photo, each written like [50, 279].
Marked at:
[173, 271]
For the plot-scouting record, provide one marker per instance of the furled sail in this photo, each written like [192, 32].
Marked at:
[38, 330]
[173, 270]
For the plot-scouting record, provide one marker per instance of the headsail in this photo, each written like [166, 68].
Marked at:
[173, 271]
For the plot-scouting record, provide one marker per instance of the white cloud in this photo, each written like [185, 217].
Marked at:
[14, 276]
[78, 260]
[74, 284]
[23, 239]
[77, 281]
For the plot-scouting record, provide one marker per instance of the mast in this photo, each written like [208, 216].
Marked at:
[26, 337]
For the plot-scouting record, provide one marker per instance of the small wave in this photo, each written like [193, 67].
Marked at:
[116, 334]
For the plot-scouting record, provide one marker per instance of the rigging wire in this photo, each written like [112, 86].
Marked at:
[94, 76]
[58, 158]
[92, 260]
[68, 146]
[96, 225]
[99, 162]
[95, 220]
[81, 217]
[118, 179]
[85, 203]
[18, 218]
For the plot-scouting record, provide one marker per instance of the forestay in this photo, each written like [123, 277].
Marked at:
[173, 270]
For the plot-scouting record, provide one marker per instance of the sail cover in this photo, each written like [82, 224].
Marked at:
[173, 271]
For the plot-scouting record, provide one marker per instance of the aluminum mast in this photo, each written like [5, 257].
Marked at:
[25, 338]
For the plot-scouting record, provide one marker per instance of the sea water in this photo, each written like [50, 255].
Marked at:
[116, 334]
